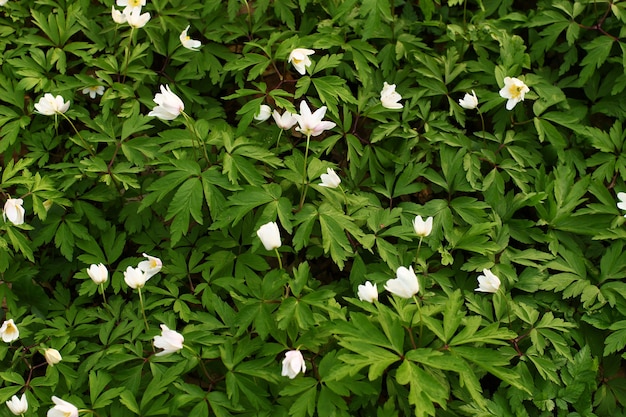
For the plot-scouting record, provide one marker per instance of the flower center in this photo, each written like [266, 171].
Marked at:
[134, 3]
[515, 91]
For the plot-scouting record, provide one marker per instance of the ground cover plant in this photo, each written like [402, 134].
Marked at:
[312, 208]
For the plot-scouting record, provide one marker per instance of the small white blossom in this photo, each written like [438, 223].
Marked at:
[18, 406]
[170, 341]
[286, 121]
[13, 211]
[514, 90]
[389, 98]
[488, 282]
[469, 101]
[98, 273]
[330, 179]
[368, 292]
[293, 364]
[9, 331]
[422, 227]
[50, 105]
[299, 57]
[269, 235]
[52, 356]
[94, 90]
[187, 42]
[151, 267]
[264, 113]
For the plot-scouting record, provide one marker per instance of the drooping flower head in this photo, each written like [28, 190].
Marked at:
[18, 406]
[135, 278]
[264, 113]
[98, 273]
[311, 124]
[269, 235]
[94, 90]
[187, 42]
[135, 18]
[170, 341]
[9, 331]
[368, 292]
[50, 105]
[389, 98]
[52, 356]
[514, 90]
[488, 282]
[293, 364]
[405, 284]
[422, 227]
[286, 121]
[169, 105]
[118, 17]
[621, 204]
[62, 409]
[13, 211]
[299, 57]
[330, 179]
[151, 267]
[469, 101]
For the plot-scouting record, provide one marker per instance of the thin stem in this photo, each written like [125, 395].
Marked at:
[278, 140]
[190, 125]
[143, 312]
[103, 294]
[417, 254]
[85, 144]
[280, 261]
[127, 54]
[482, 121]
[419, 311]
[345, 197]
[304, 176]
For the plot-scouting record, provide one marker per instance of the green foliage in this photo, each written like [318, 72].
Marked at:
[529, 194]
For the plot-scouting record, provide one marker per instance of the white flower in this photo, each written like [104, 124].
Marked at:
[269, 235]
[299, 57]
[330, 179]
[170, 341]
[14, 211]
[135, 18]
[9, 331]
[50, 105]
[368, 292]
[513, 90]
[422, 228]
[293, 364]
[621, 204]
[94, 90]
[3, 2]
[405, 285]
[118, 17]
[286, 121]
[62, 409]
[52, 356]
[264, 113]
[389, 98]
[18, 406]
[131, 4]
[469, 101]
[187, 42]
[311, 124]
[488, 282]
[169, 105]
[135, 277]
[151, 267]
[98, 273]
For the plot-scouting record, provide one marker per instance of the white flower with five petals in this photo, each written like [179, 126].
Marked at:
[299, 57]
[311, 124]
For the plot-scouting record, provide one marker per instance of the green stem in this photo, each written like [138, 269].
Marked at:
[304, 176]
[278, 140]
[419, 245]
[345, 197]
[280, 261]
[85, 144]
[482, 120]
[143, 312]
[419, 311]
[103, 294]
[190, 125]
